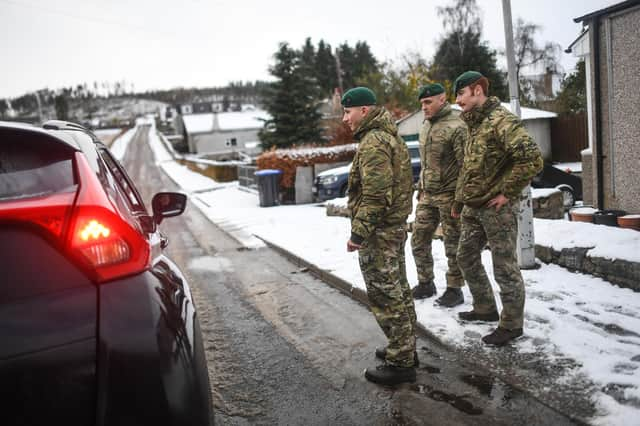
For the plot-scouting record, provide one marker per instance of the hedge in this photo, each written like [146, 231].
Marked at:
[288, 159]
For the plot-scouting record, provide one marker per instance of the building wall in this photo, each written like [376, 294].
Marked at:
[620, 108]
[540, 131]
[411, 125]
[217, 141]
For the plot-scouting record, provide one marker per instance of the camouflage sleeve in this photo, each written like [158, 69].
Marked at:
[524, 153]
[460, 139]
[377, 183]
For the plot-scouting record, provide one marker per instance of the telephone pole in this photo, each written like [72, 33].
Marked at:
[526, 237]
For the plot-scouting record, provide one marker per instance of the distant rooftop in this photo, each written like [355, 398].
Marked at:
[225, 121]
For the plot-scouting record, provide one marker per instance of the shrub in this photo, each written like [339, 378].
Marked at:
[288, 159]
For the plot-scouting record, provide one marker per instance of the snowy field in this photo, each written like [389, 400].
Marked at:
[568, 315]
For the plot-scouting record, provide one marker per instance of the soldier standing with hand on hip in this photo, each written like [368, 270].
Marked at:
[380, 193]
[500, 159]
[442, 140]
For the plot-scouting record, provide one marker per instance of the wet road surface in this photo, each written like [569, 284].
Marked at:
[285, 348]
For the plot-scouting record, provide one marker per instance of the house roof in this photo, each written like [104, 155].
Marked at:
[198, 123]
[579, 39]
[608, 10]
[249, 119]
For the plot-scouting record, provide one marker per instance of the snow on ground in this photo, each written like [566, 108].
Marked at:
[543, 192]
[604, 241]
[574, 167]
[106, 132]
[119, 147]
[160, 152]
[568, 315]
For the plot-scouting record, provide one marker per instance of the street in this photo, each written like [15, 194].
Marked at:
[285, 348]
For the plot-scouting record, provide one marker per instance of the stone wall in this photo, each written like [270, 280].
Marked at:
[620, 272]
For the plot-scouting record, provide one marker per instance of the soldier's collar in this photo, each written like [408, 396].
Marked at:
[446, 108]
[477, 114]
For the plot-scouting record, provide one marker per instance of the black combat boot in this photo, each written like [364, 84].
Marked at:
[390, 374]
[501, 336]
[382, 354]
[424, 290]
[475, 316]
[451, 297]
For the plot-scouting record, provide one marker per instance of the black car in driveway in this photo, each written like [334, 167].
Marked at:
[567, 181]
[332, 183]
[97, 325]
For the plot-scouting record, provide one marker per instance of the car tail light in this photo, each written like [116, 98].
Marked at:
[49, 212]
[106, 245]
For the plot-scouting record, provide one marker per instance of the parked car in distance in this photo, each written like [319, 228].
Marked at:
[98, 325]
[565, 178]
[332, 183]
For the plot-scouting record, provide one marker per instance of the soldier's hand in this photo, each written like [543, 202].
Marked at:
[454, 213]
[351, 246]
[498, 201]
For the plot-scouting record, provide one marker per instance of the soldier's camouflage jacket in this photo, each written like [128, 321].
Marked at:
[499, 157]
[380, 181]
[442, 140]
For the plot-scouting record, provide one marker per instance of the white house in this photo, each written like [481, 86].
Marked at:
[218, 132]
[537, 122]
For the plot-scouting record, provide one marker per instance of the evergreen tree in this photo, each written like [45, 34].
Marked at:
[62, 107]
[326, 73]
[461, 49]
[292, 102]
[573, 92]
[347, 65]
[364, 61]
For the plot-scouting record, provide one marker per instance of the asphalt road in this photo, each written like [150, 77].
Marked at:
[285, 348]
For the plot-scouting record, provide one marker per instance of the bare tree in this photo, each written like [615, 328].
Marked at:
[460, 18]
[530, 53]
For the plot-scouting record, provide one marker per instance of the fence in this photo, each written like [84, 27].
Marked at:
[246, 176]
[569, 136]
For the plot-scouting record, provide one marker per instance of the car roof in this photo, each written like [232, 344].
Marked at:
[413, 144]
[71, 134]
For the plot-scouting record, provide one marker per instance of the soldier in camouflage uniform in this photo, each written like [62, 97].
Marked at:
[500, 159]
[442, 140]
[380, 192]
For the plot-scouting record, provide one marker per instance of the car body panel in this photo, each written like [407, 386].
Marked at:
[332, 183]
[552, 177]
[146, 378]
[48, 332]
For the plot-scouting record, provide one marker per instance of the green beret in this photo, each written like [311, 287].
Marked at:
[465, 79]
[358, 96]
[430, 90]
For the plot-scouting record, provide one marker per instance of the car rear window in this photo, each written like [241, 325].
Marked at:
[33, 165]
[414, 152]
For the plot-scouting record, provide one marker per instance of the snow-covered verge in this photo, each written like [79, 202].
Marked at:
[119, 147]
[107, 136]
[568, 315]
[603, 241]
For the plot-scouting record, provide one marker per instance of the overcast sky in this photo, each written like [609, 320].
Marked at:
[159, 44]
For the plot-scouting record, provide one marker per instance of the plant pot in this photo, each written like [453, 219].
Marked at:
[607, 217]
[631, 221]
[582, 214]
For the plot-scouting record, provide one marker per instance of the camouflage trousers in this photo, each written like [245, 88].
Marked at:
[500, 230]
[430, 211]
[383, 267]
